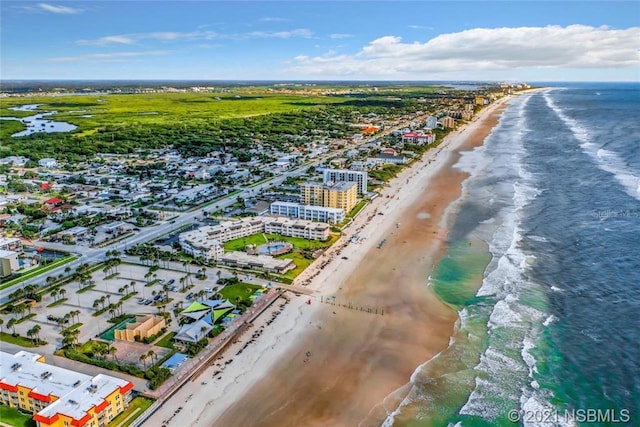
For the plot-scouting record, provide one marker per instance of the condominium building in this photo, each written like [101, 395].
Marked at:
[58, 396]
[308, 212]
[341, 195]
[207, 241]
[337, 175]
[297, 228]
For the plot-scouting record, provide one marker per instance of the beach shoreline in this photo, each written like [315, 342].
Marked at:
[309, 347]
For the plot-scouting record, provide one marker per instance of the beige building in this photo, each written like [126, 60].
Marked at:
[448, 122]
[342, 195]
[143, 327]
[8, 263]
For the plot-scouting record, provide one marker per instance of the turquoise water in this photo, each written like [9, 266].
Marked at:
[271, 248]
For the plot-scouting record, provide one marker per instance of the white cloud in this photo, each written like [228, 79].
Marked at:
[420, 27]
[198, 35]
[272, 19]
[58, 9]
[340, 36]
[108, 57]
[103, 41]
[482, 49]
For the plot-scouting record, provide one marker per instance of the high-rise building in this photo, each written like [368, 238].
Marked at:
[341, 195]
[337, 175]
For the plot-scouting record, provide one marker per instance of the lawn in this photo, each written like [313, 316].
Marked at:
[241, 290]
[19, 340]
[136, 408]
[304, 244]
[14, 417]
[239, 244]
[166, 341]
[300, 261]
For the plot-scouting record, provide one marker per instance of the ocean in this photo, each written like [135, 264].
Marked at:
[543, 267]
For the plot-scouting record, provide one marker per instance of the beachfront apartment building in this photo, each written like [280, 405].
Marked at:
[60, 397]
[208, 241]
[297, 228]
[308, 212]
[448, 122]
[342, 195]
[338, 175]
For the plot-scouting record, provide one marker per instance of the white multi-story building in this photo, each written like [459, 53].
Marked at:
[198, 244]
[297, 228]
[308, 212]
[208, 241]
[336, 175]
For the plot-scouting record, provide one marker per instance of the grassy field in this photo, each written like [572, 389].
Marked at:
[15, 418]
[239, 244]
[241, 290]
[166, 341]
[158, 108]
[299, 260]
[19, 340]
[137, 406]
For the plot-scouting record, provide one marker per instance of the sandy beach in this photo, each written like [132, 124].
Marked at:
[338, 360]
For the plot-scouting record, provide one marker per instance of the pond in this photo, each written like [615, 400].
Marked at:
[38, 122]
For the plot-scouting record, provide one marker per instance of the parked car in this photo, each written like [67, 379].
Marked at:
[171, 282]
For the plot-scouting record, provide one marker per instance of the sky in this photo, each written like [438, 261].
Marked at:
[328, 40]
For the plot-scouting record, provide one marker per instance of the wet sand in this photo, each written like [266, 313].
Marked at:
[358, 358]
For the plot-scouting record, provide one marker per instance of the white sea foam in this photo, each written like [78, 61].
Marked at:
[606, 160]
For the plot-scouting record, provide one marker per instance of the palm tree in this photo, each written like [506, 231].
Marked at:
[1, 323]
[67, 270]
[151, 354]
[126, 290]
[12, 324]
[62, 292]
[30, 334]
[143, 359]
[202, 331]
[121, 290]
[133, 285]
[113, 351]
[54, 294]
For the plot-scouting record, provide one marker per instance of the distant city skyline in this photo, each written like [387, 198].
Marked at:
[331, 40]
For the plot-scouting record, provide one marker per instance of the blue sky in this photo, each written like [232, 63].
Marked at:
[304, 40]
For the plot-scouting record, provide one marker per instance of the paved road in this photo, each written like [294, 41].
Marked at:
[95, 255]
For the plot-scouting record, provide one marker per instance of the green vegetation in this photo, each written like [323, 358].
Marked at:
[238, 292]
[385, 173]
[241, 243]
[361, 204]
[299, 260]
[58, 302]
[18, 340]
[166, 341]
[15, 418]
[85, 289]
[37, 271]
[304, 244]
[198, 123]
[136, 408]
[91, 353]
